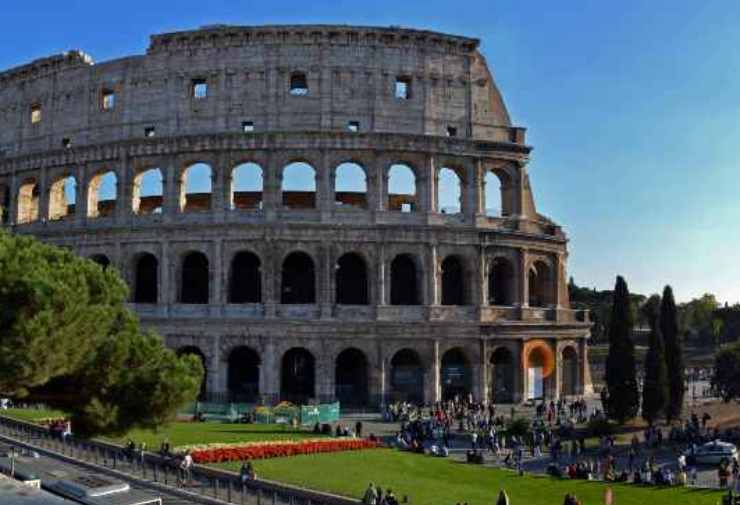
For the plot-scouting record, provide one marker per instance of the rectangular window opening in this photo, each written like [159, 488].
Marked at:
[35, 114]
[109, 99]
[200, 88]
[403, 88]
[66, 143]
[149, 132]
[451, 131]
[353, 126]
[247, 126]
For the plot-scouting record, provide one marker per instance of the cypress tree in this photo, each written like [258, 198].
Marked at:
[674, 354]
[622, 397]
[655, 388]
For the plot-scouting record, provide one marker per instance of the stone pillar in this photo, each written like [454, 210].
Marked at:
[483, 372]
[13, 210]
[381, 290]
[217, 291]
[216, 372]
[124, 189]
[271, 270]
[326, 273]
[432, 278]
[433, 379]
[479, 281]
[44, 190]
[426, 186]
[555, 384]
[325, 376]
[559, 281]
[165, 288]
[325, 177]
[381, 180]
[523, 279]
[171, 187]
[520, 373]
[270, 373]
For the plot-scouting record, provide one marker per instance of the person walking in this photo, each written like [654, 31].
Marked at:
[371, 495]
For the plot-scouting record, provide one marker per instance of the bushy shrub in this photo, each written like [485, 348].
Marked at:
[600, 428]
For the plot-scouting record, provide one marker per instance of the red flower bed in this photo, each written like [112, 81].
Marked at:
[280, 449]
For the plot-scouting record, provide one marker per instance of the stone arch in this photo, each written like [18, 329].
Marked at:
[498, 193]
[351, 378]
[194, 278]
[540, 277]
[402, 188]
[63, 197]
[298, 85]
[298, 375]
[28, 201]
[243, 375]
[102, 194]
[195, 351]
[298, 279]
[501, 281]
[449, 190]
[147, 196]
[245, 278]
[406, 285]
[101, 259]
[196, 187]
[351, 280]
[569, 367]
[503, 379]
[247, 186]
[407, 377]
[456, 374]
[350, 185]
[453, 281]
[299, 185]
[539, 367]
[146, 278]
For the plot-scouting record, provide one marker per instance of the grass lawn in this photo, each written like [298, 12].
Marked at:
[32, 415]
[187, 433]
[429, 481]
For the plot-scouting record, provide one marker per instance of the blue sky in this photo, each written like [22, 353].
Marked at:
[632, 108]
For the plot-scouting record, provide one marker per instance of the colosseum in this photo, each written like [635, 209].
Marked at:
[317, 212]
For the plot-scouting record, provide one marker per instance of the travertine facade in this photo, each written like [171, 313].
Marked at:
[363, 295]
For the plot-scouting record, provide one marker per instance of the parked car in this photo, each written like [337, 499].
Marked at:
[711, 453]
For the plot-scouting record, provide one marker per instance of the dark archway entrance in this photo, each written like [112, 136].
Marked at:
[351, 280]
[501, 282]
[191, 349]
[407, 377]
[298, 280]
[502, 376]
[298, 376]
[146, 279]
[570, 372]
[245, 283]
[541, 292]
[453, 282]
[195, 282]
[404, 283]
[456, 375]
[244, 375]
[351, 378]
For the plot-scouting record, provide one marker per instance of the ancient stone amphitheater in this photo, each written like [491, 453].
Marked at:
[318, 212]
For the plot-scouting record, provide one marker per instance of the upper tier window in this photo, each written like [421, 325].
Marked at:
[108, 99]
[35, 114]
[200, 88]
[402, 89]
[298, 84]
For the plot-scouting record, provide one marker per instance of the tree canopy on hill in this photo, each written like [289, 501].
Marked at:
[67, 340]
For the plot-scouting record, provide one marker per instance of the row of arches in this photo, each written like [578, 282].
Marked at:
[298, 185]
[298, 280]
[406, 378]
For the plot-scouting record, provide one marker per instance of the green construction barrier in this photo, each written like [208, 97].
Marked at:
[324, 413]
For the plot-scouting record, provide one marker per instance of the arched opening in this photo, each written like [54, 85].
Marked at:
[195, 351]
[102, 194]
[407, 377]
[298, 279]
[62, 198]
[493, 195]
[351, 378]
[350, 186]
[148, 192]
[404, 281]
[453, 281]
[539, 366]
[101, 259]
[194, 287]
[449, 191]
[299, 186]
[456, 375]
[401, 188]
[244, 375]
[196, 188]
[246, 187]
[297, 376]
[146, 279]
[4, 204]
[28, 202]
[540, 285]
[501, 282]
[351, 280]
[570, 372]
[245, 281]
[298, 84]
[502, 376]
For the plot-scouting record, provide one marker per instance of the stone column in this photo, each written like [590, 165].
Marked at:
[432, 378]
[270, 386]
[381, 181]
[426, 186]
[381, 290]
[325, 376]
[171, 187]
[559, 281]
[124, 189]
[44, 191]
[326, 280]
[482, 376]
[325, 198]
[523, 279]
[217, 294]
[555, 384]
[217, 187]
[13, 210]
[520, 373]
[216, 372]
[165, 288]
[432, 278]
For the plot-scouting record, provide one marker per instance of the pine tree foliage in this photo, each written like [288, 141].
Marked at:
[67, 339]
[655, 388]
[673, 353]
[622, 397]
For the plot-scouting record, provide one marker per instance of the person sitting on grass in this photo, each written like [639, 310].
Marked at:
[570, 499]
[390, 498]
[371, 495]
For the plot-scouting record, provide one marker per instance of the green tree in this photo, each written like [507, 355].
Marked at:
[726, 378]
[674, 354]
[622, 397]
[67, 339]
[655, 387]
